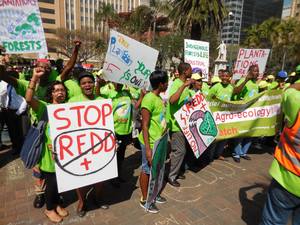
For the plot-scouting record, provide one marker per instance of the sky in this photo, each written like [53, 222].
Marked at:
[287, 2]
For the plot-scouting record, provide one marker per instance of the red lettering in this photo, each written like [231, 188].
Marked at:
[55, 114]
[79, 143]
[113, 142]
[93, 136]
[104, 113]
[86, 115]
[78, 108]
[241, 52]
[63, 147]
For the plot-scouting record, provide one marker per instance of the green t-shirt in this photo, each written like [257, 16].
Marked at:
[297, 82]
[173, 108]
[290, 107]
[273, 85]
[223, 92]
[122, 110]
[82, 98]
[250, 89]
[73, 88]
[46, 162]
[205, 88]
[157, 125]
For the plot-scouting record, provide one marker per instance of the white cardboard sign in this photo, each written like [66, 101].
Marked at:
[84, 143]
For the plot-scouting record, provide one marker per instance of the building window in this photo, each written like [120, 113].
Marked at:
[46, 20]
[47, 1]
[51, 49]
[45, 10]
[49, 31]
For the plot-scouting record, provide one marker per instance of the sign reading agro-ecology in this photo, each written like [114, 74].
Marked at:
[21, 29]
[196, 53]
[197, 123]
[260, 116]
[128, 61]
[248, 57]
[83, 142]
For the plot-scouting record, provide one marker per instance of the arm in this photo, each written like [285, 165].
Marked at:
[295, 86]
[67, 69]
[175, 97]
[145, 129]
[239, 88]
[29, 97]
[139, 101]
[99, 83]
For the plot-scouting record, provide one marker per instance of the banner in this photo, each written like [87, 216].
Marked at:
[197, 123]
[83, 142]
[128, 61]
[259, 116]
[21, 29]
[196, 53]
[248, 57]
[159, 154]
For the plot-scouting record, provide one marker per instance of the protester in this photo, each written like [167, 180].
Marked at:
[86, 82]
[263, 86]
[246, 88]
[179, 95]
[224, 92]
[153, 127]
[283, 198]
[279, 82]
[56, 94]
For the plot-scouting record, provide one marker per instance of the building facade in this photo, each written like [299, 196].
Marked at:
[295, 10]
[245, 13]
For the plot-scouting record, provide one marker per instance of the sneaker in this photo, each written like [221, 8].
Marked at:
[39, 201]
[151, 209]
[246, 157]
[160, 199]
[237, 160]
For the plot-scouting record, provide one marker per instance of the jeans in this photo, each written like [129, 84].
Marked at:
[280, 204]
[145, 166]
[241, 147]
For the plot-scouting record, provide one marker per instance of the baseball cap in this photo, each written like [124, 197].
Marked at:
[196, 70]
[85, 74]
[216, 79]
[263, 84]
[271, 77]
[293, 74]
[282, 74]
[196, 76]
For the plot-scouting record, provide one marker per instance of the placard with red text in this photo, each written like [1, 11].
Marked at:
[197, 123]
[248, 57]
[83, 143]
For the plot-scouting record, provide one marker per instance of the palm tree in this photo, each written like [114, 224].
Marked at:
[253, 39]
[196, 15]
[106, 14]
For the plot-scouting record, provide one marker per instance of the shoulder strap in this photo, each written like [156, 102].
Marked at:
[45, 115]
[9, 90]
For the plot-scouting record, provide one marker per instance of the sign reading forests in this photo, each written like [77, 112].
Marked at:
[128, 61]
[248, 57]
[197, 123]
[83, 142]
[21, 29]
[196, 53]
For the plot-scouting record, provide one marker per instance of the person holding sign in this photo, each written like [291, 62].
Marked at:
[153, 127]
[179, 95]
[56, 94]
[86, 82]
[246, 88]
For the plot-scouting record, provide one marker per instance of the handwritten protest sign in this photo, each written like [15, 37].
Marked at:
[83, 141]
[159, 154]
[196, 53]
[197, 123]
[248, 57]
[21, 29]
[256, 117]
[129, 61]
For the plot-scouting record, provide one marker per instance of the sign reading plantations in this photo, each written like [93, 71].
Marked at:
[197, 123]
[21, 29]
[248, 57]
[159, 155]
[260, 116]
[83, 142]
[128, 61]
[196, 53]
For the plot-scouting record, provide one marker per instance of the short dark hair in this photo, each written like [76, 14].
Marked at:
[50, 89]
[182, 67]
[157, 77]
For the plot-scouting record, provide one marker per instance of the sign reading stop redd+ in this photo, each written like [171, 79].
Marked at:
[83, 142]
[248, 57]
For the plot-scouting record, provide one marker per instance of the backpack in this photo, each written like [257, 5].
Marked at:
[33, 144]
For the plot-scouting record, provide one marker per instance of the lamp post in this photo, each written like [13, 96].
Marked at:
[231, 15]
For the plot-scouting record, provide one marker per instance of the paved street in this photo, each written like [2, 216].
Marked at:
[221, 193]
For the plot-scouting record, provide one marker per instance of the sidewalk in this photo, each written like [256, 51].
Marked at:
[224, 193]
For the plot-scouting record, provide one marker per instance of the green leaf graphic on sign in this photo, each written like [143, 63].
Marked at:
[208, 125]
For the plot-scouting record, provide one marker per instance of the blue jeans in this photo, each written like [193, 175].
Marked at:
[241, 147]
[145, 165]
[280, 204]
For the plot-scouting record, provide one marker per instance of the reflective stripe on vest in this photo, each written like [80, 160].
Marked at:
[288, 150]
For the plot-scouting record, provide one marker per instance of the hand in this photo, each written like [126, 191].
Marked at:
[100, 81]
[77, 43]
[189, 82]
[38, 72]
[149, 156]
[143, 92]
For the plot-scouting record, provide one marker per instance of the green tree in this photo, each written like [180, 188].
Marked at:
[196, 15]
